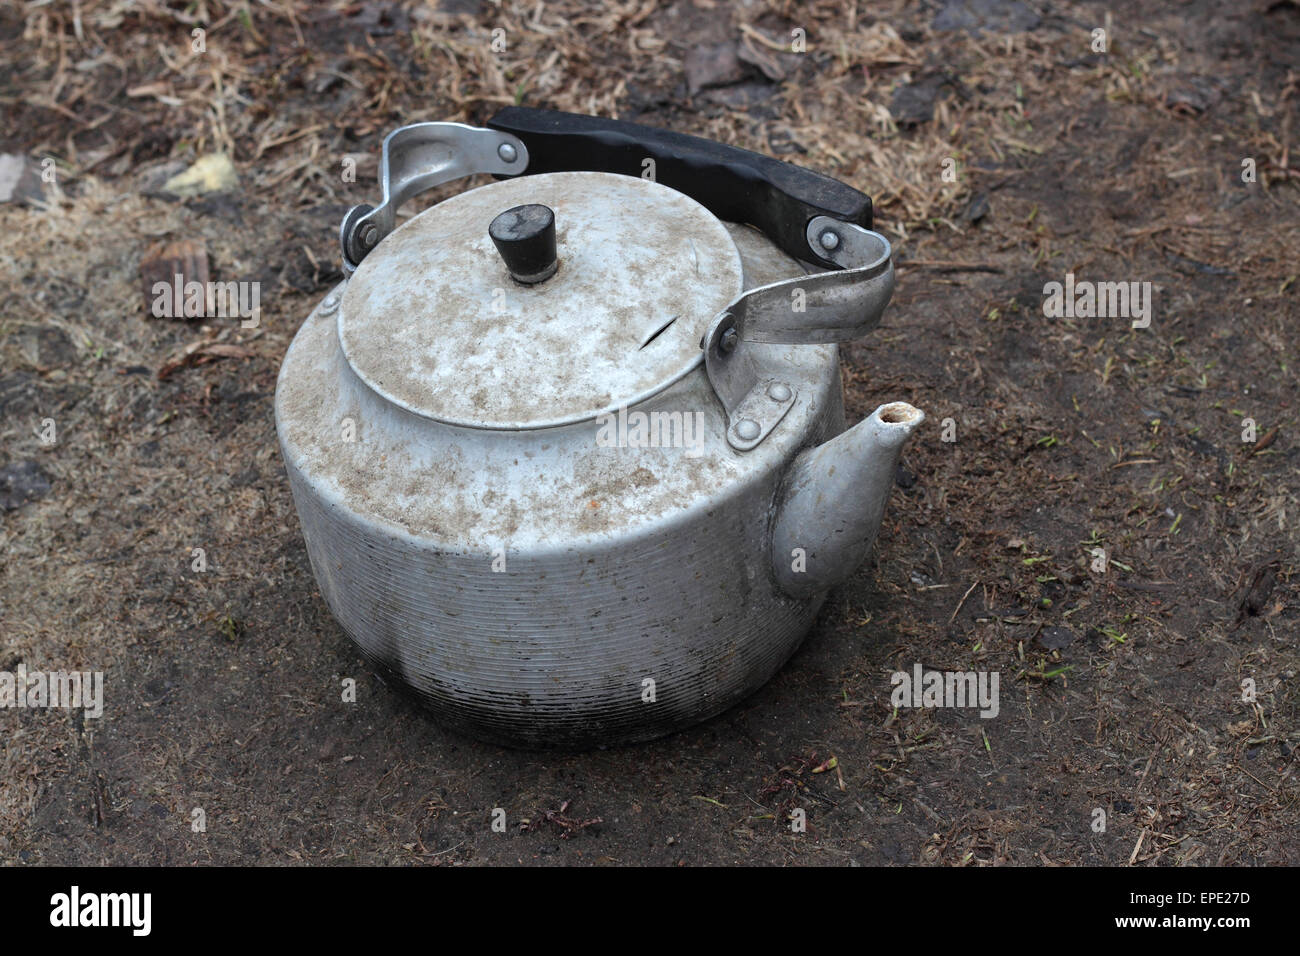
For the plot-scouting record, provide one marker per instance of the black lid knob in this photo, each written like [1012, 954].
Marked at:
[525, 237]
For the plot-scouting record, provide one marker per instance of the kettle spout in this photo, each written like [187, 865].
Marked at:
[834, 500]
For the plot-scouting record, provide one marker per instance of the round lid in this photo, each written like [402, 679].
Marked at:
[433, 321]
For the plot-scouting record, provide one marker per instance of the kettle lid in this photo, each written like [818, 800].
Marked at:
[437, 320]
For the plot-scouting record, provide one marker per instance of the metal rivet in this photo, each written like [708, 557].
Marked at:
[778, 392]
[729, 340]
[747, 429]
[331, 303]
[829, 239]
[507, 153]
[369, 235]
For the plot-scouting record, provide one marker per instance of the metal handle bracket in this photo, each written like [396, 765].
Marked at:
[417, 158]
[834, 306]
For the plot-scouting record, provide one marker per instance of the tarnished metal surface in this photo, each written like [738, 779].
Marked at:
[621, 564]
[543, 587]
[473, 489]
[433, 321]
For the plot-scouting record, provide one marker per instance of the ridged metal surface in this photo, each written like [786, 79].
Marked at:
[556, 652]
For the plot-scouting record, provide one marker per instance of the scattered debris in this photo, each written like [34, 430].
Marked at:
[164, 262]
[1056, 638]
[568, 826]
[1265, 440]
[741, 96]
[21, 482]
[977, 208]
[232, 630]
[210, 174]
[732, 67]
[378, 19]
[788, 783]
[710, 65]
[469, 8]
[913, 103]
[1193, 95]
[152, 179]
[20, 181]
[201, 353]
[1187, 266]
[1255, 593]
[769, 56]
[46, 347]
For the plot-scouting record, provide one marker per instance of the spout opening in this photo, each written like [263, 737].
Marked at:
[899, 413]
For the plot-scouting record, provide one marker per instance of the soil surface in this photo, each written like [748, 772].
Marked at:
[1103, 515]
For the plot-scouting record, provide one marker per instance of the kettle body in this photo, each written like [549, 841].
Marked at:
[597, 506]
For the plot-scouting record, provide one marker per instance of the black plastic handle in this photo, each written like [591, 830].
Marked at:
[734, 184]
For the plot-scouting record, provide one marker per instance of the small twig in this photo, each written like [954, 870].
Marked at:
[1138, 790]
[441, 852]
[1138, 846]
[958, 608]
[1256, 779]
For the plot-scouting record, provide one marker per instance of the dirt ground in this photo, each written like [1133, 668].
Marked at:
[1122, 688]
